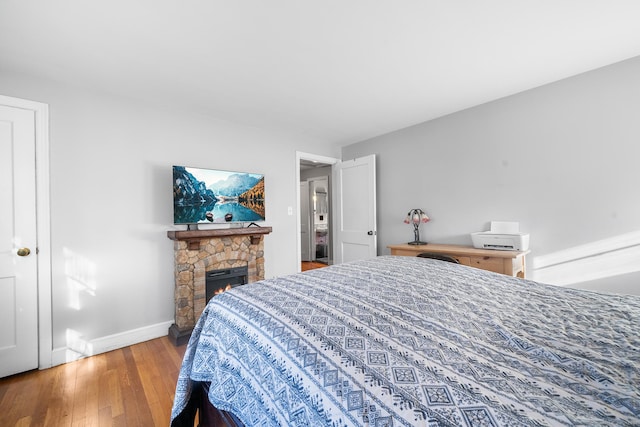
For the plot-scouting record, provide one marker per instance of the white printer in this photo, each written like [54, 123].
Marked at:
[503, 236]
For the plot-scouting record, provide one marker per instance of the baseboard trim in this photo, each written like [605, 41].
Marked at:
[78, 348]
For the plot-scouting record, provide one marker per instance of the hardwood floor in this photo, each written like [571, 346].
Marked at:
[310, 265]
[132, 386]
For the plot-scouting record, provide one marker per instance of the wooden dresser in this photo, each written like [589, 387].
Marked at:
[511, 263]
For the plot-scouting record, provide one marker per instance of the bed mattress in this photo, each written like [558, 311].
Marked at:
[403, 341]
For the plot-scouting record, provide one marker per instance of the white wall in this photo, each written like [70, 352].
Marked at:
[563, 159]
[111, 204]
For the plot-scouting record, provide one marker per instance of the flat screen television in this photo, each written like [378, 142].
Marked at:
[211, 196]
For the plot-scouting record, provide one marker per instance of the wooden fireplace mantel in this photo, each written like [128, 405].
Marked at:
[193, 237]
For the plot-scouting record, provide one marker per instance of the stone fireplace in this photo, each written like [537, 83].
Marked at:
[197, 252]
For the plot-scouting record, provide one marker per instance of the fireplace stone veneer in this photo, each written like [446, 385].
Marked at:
[197, 252]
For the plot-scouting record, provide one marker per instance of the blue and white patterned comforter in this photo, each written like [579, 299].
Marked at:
[403, 341]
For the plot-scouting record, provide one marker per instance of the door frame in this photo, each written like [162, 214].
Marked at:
[332, 161]
[43, 224]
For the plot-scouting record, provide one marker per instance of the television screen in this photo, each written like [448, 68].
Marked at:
[208, 196]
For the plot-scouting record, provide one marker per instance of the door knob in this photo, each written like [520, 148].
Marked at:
[24, 251]
[370, 233]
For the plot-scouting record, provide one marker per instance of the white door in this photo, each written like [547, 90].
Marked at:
[305, 223]
[355, 209]
[18, 260]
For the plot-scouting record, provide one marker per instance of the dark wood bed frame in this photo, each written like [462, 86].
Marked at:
[208, 415]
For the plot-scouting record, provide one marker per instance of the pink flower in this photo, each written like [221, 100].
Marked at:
[416, 216]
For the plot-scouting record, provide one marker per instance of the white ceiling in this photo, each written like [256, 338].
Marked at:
[337, 70]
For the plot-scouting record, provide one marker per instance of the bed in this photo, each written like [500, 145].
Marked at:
[404, 341]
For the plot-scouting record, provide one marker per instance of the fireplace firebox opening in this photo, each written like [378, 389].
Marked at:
[217, 281]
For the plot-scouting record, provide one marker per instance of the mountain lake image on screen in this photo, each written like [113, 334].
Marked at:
[209, 196]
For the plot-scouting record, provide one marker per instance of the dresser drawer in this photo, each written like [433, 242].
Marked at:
[464, 260]
[488, 263]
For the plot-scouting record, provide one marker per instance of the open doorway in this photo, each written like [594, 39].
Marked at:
[315, 216]
[315, 219]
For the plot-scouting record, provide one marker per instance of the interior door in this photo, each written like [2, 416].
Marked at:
[319, 191]
[305, 223]
[355, 200]
[18, 262]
